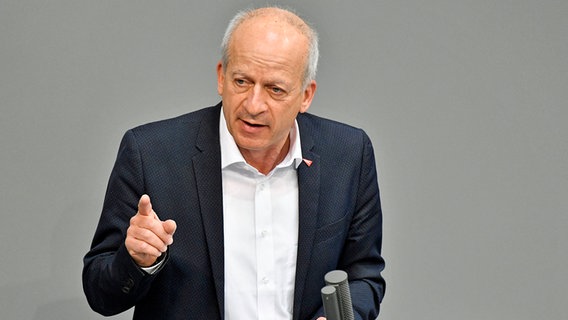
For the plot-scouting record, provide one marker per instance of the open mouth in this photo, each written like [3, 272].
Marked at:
[254, 125]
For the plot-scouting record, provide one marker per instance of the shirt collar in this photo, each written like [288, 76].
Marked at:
[230, 153]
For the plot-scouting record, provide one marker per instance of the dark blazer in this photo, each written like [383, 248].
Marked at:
[177, 162]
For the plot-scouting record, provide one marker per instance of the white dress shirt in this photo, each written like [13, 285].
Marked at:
[260, 218]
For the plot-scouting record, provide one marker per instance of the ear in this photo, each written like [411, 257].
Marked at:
[309, 93]
[220, 78]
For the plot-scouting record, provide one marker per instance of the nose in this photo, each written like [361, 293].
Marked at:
[255, 103]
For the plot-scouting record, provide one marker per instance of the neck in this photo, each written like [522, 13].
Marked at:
[266, 160]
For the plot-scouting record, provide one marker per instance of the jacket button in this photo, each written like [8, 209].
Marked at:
[127, 286]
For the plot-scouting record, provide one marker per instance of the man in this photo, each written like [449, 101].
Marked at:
[237, 211]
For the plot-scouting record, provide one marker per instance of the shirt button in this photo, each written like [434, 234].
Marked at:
[264, 233]
[261, 186]
[265, 280]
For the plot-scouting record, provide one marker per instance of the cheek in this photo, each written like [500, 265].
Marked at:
[230, 100]
[286, 118]
[232, 94]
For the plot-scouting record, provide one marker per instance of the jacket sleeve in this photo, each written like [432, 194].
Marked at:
[112, 281]
[361, 257]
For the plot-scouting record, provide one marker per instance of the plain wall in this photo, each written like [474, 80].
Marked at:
[465, 101]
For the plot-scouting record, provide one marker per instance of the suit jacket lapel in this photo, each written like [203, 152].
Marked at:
[207, 170]
[309, 190]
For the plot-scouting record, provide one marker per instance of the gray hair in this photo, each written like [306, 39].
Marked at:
[302, 26]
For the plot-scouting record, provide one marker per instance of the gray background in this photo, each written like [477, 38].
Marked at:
[465, 102]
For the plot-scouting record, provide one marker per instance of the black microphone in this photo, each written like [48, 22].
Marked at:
[336, 295]
[330, 303]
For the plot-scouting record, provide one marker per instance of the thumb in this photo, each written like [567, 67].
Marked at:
[169, 226]
[145, 206]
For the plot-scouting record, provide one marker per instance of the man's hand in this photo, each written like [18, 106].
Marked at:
[147, 237]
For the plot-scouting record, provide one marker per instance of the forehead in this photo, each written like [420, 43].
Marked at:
[268, 42]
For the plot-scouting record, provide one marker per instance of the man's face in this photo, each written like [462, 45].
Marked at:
[261, 87]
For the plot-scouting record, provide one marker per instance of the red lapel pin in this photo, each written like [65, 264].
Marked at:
[308, 162]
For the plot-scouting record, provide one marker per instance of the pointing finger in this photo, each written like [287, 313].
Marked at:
[145, 206]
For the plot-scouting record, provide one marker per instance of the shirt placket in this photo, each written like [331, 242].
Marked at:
[265, 248]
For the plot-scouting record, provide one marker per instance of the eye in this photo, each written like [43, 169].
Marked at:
[240, 82]
[276, 90]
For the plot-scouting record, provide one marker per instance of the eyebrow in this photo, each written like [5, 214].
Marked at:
[268, 81]
[238, 72]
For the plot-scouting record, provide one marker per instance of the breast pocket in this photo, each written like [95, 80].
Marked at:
[332, 231]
